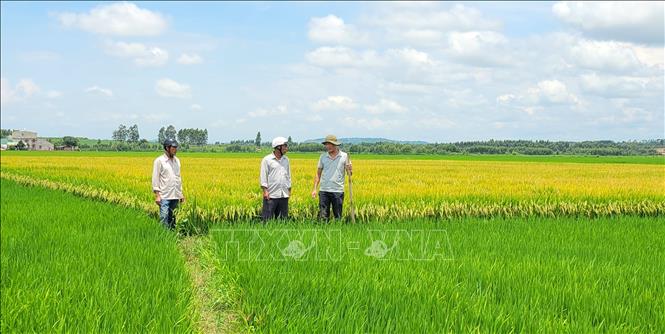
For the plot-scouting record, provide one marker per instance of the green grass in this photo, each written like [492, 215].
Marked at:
[75, 265]
[521, 275]
[657, 160]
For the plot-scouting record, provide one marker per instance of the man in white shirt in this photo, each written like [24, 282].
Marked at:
[167, 183]
[330, 175]
[275, 180]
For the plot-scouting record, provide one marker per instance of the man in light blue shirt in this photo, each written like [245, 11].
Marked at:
[330, 176]
[275, 179]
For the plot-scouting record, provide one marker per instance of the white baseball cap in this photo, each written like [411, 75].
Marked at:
[279, 141]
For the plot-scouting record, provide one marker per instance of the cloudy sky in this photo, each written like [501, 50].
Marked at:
[440, 72]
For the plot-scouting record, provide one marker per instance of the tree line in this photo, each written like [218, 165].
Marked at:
[127, 139]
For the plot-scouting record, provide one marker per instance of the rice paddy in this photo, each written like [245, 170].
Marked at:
[465, 244]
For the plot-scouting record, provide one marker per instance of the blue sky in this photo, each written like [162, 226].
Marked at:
[440, 72]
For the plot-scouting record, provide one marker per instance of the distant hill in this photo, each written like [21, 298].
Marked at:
[369, 141]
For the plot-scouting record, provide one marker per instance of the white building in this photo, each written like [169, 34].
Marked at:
[30, 139]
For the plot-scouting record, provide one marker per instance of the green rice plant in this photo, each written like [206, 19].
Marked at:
[74, 265]
[190, 221]
[485, 275]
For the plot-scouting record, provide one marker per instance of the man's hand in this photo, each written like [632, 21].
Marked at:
[314, 193]
[266, 194]
[182, 200]
[349, 169]
[158, 199]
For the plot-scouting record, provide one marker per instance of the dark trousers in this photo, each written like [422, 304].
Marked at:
[328, 199]
[166, 215]
[275, 208]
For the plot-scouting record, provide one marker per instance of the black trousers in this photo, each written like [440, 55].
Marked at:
[328, 199]
[275, 208]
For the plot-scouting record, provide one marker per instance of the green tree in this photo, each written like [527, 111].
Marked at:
[161, 137]
[21, 146]
[70, 141]
[133, 134]
[121, 133]
[257, 141]
[170, 132]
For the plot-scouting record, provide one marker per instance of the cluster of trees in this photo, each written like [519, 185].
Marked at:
[183, 136]
[166, 133]
[193, 136]
[125, 134]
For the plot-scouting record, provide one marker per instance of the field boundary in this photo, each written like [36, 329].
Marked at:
[445, 209]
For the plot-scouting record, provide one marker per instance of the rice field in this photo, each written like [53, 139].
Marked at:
[74, 265]
[500, 275]
[225, 186]
[457, 244]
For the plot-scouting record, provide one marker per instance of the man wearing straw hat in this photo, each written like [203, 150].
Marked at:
[330, 176]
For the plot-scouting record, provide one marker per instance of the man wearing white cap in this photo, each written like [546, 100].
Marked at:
[275, 179]
[330, 174]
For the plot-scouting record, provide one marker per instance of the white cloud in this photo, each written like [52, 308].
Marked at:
[6, 92]
[140, 53]
[386, 106]
[99, 91]
[27, 87]
[617, 86]
[408, 88]
[411, 56]
[196, 107]
[506, 99]
[546, 92]
[419, 36]
[464, 99]
[650, 56]
[170, 88]
[190, 59]
[458, 18]
[482, 48]
[23, 90]
[122, 19]
[262, 112]
[605, 56]
[371, 123]
[335, 103]
[626, 113]
[332, 29]
[426, 25]
[553, 92]
[633, 21]
[342, 56]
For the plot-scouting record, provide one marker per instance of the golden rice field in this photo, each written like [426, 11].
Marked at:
[225, 186]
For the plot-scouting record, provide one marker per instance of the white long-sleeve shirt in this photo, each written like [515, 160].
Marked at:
[166, 177]
[276, 176]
